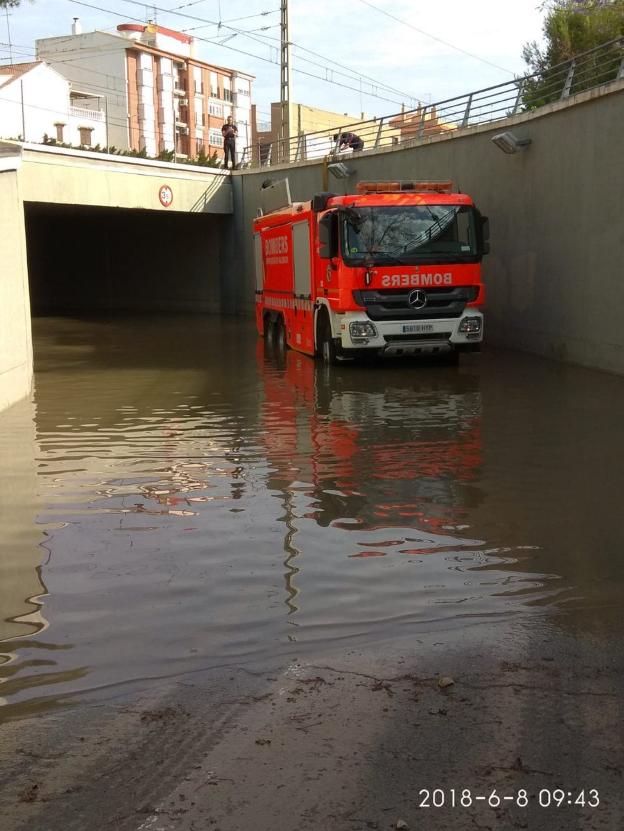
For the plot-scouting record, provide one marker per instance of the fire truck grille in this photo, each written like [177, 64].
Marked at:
[393, 304]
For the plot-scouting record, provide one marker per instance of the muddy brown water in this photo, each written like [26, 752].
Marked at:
[175, 497]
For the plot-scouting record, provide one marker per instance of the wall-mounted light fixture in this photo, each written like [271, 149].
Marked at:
[340, 170]
[509, 143]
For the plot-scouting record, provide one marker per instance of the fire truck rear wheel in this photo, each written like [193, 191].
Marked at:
[269, 331]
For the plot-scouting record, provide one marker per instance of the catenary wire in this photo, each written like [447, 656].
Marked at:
[248, 54]
[433, 37]
[258, 40]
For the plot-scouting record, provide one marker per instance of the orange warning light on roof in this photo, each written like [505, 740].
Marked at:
[403, 186]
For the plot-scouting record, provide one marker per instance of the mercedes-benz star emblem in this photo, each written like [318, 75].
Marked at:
[417, 299]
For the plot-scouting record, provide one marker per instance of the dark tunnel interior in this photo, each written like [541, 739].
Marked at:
[99, 261]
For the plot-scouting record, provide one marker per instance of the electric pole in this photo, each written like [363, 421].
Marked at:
[10, 45]
[284, 133]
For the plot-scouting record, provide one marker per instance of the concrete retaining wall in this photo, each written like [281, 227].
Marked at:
[149, 256]
[15, 334]
[555, 277]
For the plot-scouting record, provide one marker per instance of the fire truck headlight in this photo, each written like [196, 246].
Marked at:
[362, 329]
[470, 325]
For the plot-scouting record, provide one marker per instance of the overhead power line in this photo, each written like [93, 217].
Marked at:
[258, 39]
[434, 37]
[229, 20]
[255, 56]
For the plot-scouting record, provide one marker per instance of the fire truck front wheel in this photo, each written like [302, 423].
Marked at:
[324, 342]
[280, 335]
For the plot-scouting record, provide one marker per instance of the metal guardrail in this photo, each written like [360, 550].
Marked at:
[593, 68]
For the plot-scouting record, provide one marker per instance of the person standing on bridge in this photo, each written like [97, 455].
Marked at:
[229, 131]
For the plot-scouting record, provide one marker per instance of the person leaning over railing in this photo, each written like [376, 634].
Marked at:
[349, 140]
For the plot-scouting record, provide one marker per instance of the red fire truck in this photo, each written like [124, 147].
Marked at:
[393, 269]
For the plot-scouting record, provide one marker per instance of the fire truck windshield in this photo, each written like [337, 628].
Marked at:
[408, 234]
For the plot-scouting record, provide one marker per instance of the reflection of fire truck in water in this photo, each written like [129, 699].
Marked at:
[398, 456]
[394, 269]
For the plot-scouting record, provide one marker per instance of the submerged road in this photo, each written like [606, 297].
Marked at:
[239, 590]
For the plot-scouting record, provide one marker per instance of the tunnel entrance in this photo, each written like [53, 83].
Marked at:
[100, 261]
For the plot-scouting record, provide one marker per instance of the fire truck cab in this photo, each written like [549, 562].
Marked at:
[393, 269]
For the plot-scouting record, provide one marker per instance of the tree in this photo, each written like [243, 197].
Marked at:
[572, 27]
[8, 3]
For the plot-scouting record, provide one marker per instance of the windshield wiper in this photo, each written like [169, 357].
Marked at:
[431, 257]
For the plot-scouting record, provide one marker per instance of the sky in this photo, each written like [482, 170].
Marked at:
[390, 52]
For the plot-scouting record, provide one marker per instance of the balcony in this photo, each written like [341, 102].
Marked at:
[86, 114]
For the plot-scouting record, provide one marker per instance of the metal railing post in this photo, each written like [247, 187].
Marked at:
[421, 126]
[337, 142]
[569, 78]
[299, 147]
[379, 129]
[466, 117]
[518, 97]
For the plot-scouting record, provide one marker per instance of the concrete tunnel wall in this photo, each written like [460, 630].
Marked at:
[555, 277]
[152, 255]
[15, 332]
[97, 260]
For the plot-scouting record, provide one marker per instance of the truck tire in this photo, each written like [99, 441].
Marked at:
[325, 342]
[281, 344]
[269, 331]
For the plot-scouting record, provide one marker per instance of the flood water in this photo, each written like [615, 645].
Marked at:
[174, 497]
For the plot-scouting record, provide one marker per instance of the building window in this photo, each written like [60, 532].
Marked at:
[227, 95]
[59, 131]
[216, 110]
[85, 135]
[215, 138]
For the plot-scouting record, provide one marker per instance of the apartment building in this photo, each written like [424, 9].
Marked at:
[36, 103]
[419, 123]
[159, 96]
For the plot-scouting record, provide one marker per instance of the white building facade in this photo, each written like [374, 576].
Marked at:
[38, 104]
[159, 97]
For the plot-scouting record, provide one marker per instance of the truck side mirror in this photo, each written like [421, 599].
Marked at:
[320, 200]
[485, 228]
[328, 235]
[484, 234]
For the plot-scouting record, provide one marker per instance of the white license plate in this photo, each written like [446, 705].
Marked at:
[414, 328]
